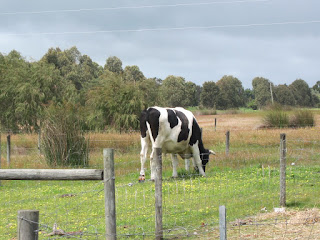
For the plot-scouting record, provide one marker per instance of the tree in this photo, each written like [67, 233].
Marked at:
[133, 74]
[74, 67]
[149, 92]
[249, 99]
[316, 87]
[114, 103]
[301, 93]
[191, 93]
[231, 93]
[13, 69]
[209, 94]
[284, 96]
[262, 91]
[26, 89]
[114, 64]
[173, 91]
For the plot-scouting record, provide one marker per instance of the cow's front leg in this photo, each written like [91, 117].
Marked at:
[198, 163]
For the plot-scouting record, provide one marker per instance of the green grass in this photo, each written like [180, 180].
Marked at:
[188, 204]
[246, 181]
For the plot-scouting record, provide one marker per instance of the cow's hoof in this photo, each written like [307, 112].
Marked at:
[141, 179]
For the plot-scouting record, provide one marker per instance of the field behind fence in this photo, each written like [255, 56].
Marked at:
[246, 181]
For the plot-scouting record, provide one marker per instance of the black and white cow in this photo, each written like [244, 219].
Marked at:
[176, 131]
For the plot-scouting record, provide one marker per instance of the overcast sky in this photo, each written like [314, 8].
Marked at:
[198, 40]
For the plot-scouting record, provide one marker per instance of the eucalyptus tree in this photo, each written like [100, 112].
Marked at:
[302, 93]
[114, 64]
[284, 95]
[133, 74]
[173, 91]
[231, 93]
[262, 89]
[114, 103]
[149, 91]
[209, 94]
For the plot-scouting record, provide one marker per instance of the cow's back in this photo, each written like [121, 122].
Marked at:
[169, 128]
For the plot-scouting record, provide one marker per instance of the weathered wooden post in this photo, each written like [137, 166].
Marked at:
[158, 193]
[283, 158]
[28, 224]
[0, 153]
[109, 193]
[39, 141]
[8, 148]
[215, 124]
[223, 222]
[227, 142]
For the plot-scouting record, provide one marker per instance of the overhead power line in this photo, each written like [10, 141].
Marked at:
[164, 29]
[132, 7]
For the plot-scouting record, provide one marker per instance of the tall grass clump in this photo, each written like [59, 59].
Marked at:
[302, 118]
[276, 119]
[63, 142]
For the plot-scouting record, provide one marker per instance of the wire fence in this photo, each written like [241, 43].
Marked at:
[246, 181]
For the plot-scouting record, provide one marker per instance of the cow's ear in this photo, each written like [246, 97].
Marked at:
[212, 152]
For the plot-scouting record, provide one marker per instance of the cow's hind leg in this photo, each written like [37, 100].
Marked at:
[153, 165]
[187, 164]
[174, 165]
[143, 157]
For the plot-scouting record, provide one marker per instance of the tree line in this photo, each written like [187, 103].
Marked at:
[113, 96]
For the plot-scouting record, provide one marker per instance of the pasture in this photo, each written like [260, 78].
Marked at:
[246, 182]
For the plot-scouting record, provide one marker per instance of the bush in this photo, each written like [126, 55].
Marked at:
[302, 118]
[63, 141]
[276, 119]
[253, 105]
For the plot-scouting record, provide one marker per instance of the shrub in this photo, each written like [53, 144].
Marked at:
[253, 105]
[276, 119]
[63, 141]
[302, 118]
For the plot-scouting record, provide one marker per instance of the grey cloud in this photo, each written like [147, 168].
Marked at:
[281, 53]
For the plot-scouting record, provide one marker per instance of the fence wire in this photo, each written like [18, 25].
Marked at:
[246, 182]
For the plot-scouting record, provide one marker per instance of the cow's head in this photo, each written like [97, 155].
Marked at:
[205, 157]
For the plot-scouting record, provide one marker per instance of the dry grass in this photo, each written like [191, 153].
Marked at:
[248, 146]
[292, 224]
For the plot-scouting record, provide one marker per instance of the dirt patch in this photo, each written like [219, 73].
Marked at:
[288, 225]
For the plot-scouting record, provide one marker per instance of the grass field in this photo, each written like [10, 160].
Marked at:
[246, 182]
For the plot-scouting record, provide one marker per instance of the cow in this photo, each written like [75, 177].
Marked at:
[176, 131]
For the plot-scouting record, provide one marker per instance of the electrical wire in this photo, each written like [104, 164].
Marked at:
[165, 29]
[132, 7]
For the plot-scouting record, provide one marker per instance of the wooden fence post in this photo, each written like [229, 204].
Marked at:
[158, 193]
[227, 142]
[8, 148]
[283, 157]
[28, 224]
[0, 153]
[215, 124]
[39, 141]
[109, 194]
[223, 222]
